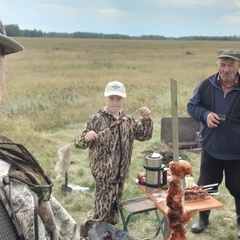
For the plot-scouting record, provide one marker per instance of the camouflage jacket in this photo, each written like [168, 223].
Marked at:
[110, 154]
[33, 218]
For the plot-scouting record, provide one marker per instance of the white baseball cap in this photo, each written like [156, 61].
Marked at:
[115, 88]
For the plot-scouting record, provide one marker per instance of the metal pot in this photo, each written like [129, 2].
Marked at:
[156, 174]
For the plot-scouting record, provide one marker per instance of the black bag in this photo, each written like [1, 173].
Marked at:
[106, 231]
[21, 159]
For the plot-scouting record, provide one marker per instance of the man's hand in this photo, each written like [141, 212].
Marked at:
[213, 120]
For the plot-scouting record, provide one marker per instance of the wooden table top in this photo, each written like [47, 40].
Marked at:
[191, 206]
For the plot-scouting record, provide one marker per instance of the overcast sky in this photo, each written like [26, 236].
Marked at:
[169, 18]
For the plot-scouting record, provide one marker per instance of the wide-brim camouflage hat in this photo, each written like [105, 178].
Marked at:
[10, 45]
[229, 53]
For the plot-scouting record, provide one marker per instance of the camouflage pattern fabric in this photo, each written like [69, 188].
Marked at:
[110, 157]
[34, 219]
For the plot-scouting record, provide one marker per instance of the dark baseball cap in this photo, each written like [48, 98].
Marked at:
[229, 53]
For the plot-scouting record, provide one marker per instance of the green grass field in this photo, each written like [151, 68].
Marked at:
[54, 85]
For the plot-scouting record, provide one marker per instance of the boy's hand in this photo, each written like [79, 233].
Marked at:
[145, 112]
[90, 136]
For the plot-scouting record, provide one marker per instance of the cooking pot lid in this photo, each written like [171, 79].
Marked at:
[154, 156]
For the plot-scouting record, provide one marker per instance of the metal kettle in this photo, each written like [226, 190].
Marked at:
[156, 174]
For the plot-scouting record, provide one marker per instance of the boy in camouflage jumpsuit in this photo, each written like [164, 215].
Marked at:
[110, 135]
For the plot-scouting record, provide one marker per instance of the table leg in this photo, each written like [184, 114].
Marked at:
[166, 230]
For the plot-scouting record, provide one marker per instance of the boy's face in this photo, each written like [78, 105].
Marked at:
[114, 103]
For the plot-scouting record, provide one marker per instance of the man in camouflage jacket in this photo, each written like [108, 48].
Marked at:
[22, 214]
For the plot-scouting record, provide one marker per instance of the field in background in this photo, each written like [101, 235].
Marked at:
[54, 85]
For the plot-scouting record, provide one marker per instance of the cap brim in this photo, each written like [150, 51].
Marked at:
[107, 94]
[228, 56]
[10, 45]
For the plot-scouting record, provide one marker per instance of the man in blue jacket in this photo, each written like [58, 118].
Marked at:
[216, 105]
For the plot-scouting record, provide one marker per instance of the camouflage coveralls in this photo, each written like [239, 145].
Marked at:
[110, 157]
[34, 219]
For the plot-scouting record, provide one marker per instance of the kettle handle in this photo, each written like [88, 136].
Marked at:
[164, 176]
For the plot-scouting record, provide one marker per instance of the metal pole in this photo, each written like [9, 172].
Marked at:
[174, 108]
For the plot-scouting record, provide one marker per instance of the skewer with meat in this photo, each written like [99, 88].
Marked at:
[195, 193]
[177, 216]
[113, 124]
[117, 122]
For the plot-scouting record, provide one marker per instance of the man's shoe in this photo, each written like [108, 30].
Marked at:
[237, 204]
[199, 226]
[238, 227]
[83, 231]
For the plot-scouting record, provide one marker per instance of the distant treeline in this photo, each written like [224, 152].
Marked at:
[14, 31]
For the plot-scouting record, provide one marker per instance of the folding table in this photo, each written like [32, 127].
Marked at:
[191, 206]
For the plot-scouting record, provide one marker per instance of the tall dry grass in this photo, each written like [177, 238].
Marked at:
[70, 74]
[54, 85]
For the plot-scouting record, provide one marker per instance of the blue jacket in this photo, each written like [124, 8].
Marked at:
[222, 142]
